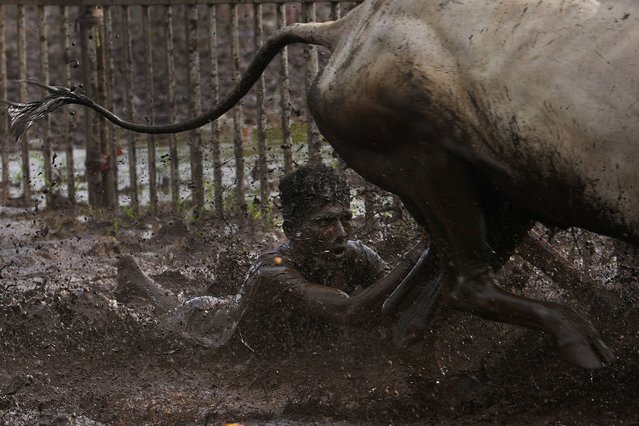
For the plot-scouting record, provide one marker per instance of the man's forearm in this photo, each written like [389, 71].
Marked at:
[365, 307]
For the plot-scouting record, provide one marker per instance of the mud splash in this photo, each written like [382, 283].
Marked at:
[71, 354]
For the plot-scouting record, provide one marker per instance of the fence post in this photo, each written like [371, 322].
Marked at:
[170, 74]
[261, 114]
[150, 105]
[22, 71]
[108, 83]
[195, 136]
[285, 93]
[46, 123]
[91, 17]
[4, 123]
[215, 126]
[312, 68]
[106, 162]
[370, 204]
[128, 87]
[66, 80]
[237, 121]
[335, 11]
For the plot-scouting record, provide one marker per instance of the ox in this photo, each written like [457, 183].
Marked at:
[483, 116]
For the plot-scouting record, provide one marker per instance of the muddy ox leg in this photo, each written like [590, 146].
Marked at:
[446, 197]
[415, 301]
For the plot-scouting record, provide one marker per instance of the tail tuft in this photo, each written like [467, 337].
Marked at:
[23, 116]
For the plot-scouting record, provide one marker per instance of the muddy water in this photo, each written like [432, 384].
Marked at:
[93, 361]
[39, 250]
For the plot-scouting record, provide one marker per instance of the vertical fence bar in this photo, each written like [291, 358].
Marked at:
[112, 177]
[101, 79]
[150, 105]
[170, 73]
[261, 112]
[105, 193]
[370, 204]
[285, 94]
[335, 11]
[128, 84]
[66, 80]
[195, 139]
[335, 14]
[4, 124]
[237, 119]
[91, 16]
[215, 97]
[46, 123]
[22, 72]
[312, 67]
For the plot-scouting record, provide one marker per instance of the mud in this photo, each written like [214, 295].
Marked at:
[71, 354]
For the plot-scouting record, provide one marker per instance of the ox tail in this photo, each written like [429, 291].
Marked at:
[324, 34]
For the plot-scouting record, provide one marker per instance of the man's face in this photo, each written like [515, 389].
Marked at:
[325, 231]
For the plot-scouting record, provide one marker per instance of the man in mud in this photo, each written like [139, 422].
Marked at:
[298, 293]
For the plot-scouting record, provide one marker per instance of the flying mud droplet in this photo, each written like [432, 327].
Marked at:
[75, 63]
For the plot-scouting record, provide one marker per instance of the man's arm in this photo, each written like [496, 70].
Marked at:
[275, 278]
[365, 308]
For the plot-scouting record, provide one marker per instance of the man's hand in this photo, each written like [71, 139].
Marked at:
[365, 308]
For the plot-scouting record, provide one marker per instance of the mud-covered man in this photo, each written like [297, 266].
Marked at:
[298, 293]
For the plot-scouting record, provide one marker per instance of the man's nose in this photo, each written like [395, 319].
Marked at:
[339, 229]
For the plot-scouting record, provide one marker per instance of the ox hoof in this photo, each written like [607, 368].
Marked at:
[590, 355]
[414, 301]
[413, 321]
[579, 342]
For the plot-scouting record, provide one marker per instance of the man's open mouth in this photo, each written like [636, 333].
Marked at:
[338, 251]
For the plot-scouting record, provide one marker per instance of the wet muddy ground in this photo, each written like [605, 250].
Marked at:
[71, 354]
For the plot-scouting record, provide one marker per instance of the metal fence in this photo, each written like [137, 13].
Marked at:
[157, 61]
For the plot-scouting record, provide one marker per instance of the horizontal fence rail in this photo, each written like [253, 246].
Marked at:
[158, 62]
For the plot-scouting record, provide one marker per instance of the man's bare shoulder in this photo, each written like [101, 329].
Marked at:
[273, 276]
[278, 257]
[275, 265]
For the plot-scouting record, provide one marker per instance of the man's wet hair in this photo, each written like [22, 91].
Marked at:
[309, 188]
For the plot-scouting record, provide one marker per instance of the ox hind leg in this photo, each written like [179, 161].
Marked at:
[447, 198]
[413, 304]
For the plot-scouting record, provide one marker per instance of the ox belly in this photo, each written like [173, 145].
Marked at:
[552, 129]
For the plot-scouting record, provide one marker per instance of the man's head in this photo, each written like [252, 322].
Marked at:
[316, 210]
